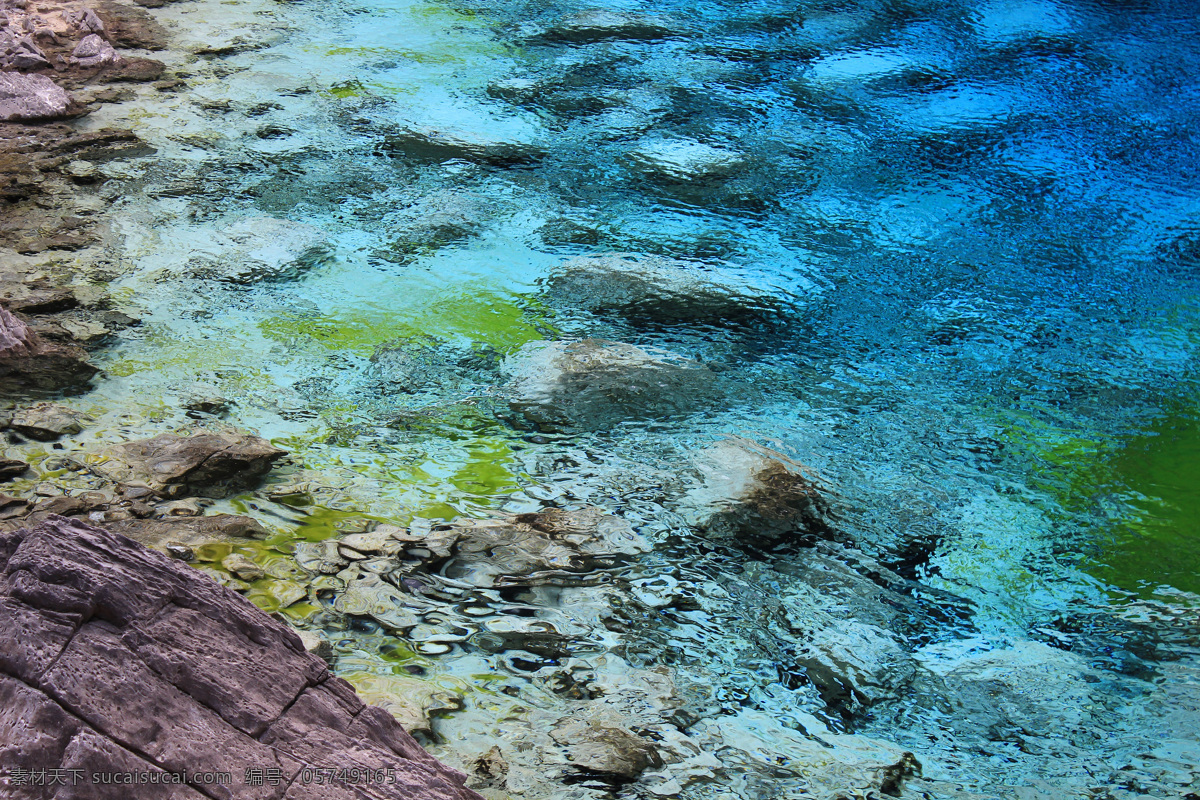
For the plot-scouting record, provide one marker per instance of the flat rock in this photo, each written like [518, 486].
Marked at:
[658, 290]
[46, 422]
[189, 531]
[258, 249]
[595, 383]
[113, 656]
[28, 363]
[684, 160]
[202, 463]
[12, 468]
[441, 144]
[599, 26]
[28, 98]
[750, 490]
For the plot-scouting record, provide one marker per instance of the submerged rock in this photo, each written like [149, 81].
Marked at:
[12, 468]
[605, 749]
[595, 383]
[27, 362]
[511, 550]
[684, 160]
[442, 219]
[46, 422]
[114, 658]
[439, 144]
[856, 666]
[202, 463]
[260, 249]
[603, 25]
[658, 290]
[750, 490]
[189, 531]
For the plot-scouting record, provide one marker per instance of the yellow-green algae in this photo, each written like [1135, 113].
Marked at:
[487, 317]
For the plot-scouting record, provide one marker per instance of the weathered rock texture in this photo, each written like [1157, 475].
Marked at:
[116, 659]
[29, 363]
[33, 97]
[204, 462]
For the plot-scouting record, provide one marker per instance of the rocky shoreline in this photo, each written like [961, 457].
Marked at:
[585, 605]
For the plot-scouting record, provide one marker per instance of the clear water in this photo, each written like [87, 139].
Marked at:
[984, 219]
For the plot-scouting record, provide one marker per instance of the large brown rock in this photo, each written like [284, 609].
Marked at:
[203, 463]
[28, 363]
[115, 658]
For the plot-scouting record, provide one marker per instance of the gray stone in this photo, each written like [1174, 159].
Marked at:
[47, 422]
[605, 749]
[93, 51]
[593, 383]
[242, 567]
[750, 490]
[203, 462]
[660, 290]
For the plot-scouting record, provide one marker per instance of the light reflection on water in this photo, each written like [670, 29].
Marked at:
[985, 217]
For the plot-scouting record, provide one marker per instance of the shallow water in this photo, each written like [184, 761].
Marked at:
[980, 219]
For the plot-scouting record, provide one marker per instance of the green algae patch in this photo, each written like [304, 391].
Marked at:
[1158, 473]
[485, 317]
[487, 473]
[1136, 497]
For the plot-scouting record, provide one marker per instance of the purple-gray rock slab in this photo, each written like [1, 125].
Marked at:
[102, 681]
[26, 98]
[164, 673]
[248, 684]
[31, 638]
[90, 757]
[34, 732]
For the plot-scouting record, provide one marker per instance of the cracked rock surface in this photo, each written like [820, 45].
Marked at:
[117, 659]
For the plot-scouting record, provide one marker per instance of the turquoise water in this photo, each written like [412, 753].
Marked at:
[981, 224]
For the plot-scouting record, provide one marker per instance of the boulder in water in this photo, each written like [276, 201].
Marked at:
[27, 362]
[659, 290]
[441, 144]
[594, 383]
[603, 25]
[201, 463]
[750, 490]
[46, 422]
[684, 160]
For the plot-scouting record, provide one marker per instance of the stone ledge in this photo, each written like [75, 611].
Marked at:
[117, 660]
